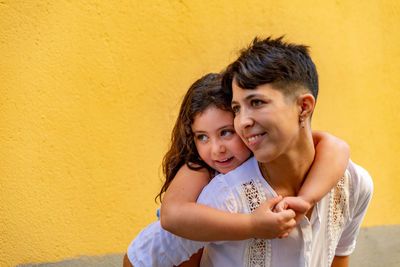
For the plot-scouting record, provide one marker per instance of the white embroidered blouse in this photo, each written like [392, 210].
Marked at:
[332, 229]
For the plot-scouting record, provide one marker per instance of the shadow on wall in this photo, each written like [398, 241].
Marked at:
[376, 246]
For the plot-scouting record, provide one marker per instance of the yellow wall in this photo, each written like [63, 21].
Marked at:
[90, 91]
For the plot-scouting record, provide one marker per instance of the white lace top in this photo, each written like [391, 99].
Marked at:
[331, 230]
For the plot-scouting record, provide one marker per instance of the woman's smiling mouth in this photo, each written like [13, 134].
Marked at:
[254, 139]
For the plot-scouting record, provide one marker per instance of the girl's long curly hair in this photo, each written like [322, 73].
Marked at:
[205, 92]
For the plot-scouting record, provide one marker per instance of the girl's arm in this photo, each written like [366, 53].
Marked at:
[331, 159]
[181, 215]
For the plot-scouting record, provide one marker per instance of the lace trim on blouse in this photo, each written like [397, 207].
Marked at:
[258, 251]
[338, 213]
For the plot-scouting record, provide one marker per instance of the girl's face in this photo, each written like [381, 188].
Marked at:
[216, 140]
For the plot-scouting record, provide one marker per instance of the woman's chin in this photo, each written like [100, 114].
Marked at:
[264, 156]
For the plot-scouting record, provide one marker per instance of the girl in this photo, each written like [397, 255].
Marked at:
[204, 141]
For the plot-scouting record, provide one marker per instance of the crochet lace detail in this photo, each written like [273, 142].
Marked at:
[338, 212]
[258, 251]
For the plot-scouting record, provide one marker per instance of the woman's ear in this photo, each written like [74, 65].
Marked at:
[306, 104]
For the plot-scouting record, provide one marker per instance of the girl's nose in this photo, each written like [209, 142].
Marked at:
[218, 147]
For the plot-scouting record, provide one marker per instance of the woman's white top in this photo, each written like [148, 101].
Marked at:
[332, 229]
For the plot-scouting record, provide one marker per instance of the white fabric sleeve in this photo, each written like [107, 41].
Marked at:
[155, 247]
[362, 188]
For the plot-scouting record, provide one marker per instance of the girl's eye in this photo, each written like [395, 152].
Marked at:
[202, 137]
[256, 102]
[227, 132]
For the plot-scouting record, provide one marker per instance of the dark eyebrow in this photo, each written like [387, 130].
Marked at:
[252, 96]
[247, 98]
[199, 132]
[219, 129]
[225, 127]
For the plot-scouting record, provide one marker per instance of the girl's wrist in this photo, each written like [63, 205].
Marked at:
[309, 200]
[249, 229]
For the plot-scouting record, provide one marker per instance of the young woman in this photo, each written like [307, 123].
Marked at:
[204, 141]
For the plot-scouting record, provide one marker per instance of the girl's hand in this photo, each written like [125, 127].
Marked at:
[297, 204]
[267, 224]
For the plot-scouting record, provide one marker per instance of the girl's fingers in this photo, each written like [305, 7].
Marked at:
[281, 206]
[270, 203]
[287, 214]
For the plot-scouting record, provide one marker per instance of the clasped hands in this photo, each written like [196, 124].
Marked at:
[276, 217]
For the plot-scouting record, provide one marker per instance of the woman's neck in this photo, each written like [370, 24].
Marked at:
[286, 174]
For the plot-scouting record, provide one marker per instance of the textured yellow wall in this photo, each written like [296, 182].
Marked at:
[90, 91]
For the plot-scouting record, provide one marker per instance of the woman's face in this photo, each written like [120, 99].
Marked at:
[266, 120]
[216, 140]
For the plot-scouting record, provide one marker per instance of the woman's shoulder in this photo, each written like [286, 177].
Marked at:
[360, 179]
[360, 188]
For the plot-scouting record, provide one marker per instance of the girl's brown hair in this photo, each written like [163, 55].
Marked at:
[205, 92]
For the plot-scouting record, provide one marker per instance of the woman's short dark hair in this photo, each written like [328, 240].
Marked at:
[287, 66]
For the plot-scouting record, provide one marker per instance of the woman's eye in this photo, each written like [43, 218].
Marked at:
[202, 137]
[235, 109]
[256, 102]
[227, 132]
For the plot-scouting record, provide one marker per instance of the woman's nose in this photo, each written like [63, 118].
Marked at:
[243, 120]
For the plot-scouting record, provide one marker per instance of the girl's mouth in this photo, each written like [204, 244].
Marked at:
[225, 161]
